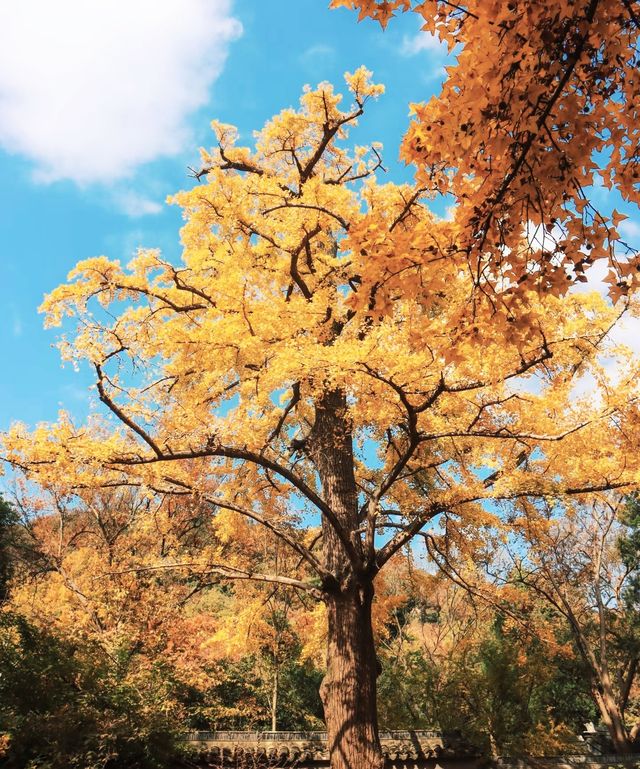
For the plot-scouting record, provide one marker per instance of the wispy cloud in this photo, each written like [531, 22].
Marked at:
[317, 56]
[318, 50]
[630, 230]
[135, 205]
[91, 90]
[13, 319]
[422, 42]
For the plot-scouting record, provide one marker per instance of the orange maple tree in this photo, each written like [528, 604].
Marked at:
[541, 106]
[314, 359]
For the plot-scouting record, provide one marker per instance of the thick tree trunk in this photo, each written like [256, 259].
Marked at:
[349, 689]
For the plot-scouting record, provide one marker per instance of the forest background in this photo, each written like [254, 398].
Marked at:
[95, 603]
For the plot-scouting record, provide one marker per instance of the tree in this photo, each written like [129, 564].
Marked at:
[126, 575]
[464, 666]
[569, 556]
[541, 106]
[279, 375]
[629, 550]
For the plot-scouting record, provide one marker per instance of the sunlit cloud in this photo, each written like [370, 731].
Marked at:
[421, 42]
[135, 205]
[89, 91]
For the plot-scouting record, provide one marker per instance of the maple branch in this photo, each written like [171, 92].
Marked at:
[460, 8]
[526, 146]
[632, 13]
[407, 207]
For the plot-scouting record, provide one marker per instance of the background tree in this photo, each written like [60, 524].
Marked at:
[461, 664]
[63, 703]
[279, 374]
[629, 549]
[124, 577]
[570, 557]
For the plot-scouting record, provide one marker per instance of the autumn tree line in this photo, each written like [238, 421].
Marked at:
[340, 420]
[108, 659]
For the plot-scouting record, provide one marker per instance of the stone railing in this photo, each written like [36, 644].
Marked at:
[311, 746]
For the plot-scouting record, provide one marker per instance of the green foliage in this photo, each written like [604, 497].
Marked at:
[240, 700]
[406, 692]
[299, 705]
[629, 548]
[65, 706]
[504, 695]
[8, 520]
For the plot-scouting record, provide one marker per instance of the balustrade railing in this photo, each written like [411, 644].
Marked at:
[317, 737]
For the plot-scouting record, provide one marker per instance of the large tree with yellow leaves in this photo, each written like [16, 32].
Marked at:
[318, 359]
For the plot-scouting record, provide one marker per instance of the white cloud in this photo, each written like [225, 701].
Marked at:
[136, 205]
[316, 59]
[420, 42]
[320, 50]
[631, 230]
[449, 213]
[90, 89]
[626, 331]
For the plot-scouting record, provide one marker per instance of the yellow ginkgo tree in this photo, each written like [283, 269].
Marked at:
[316, 364]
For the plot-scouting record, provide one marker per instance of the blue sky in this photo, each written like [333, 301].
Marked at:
[103, 106]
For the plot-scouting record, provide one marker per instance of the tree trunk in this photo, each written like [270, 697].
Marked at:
[274, 698]
[348, 691]
[612, 718]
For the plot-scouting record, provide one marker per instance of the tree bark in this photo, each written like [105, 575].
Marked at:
[348, 690]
